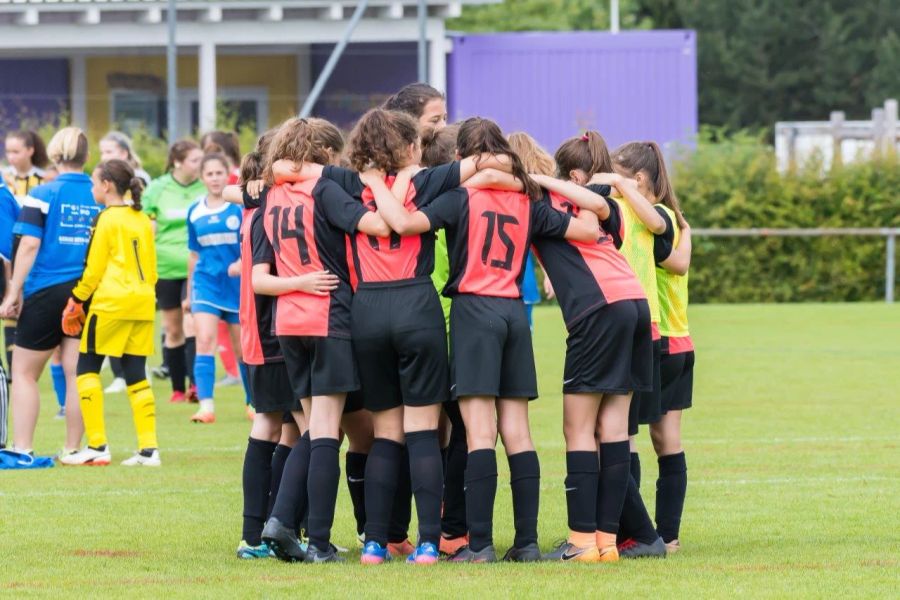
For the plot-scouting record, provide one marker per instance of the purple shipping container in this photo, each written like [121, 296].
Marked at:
[32, 91]
[639, 85]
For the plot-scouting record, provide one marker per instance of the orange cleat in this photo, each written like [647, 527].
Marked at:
[404, 548]
[609, 554]
[204, 416]
[450, 546]
[192, 395]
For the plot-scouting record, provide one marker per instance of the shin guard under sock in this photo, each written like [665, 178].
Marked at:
[382, 470]
[59, 384]
[614, 476]
[427, 478]
[671, 488]
[257, 475]
[582, 475]
[355, 471]
[90, 391]
[143, 412]
[279, 458]
[525, 481]
[174, 357]
[481, 491]
[294, 481]
[324, 476]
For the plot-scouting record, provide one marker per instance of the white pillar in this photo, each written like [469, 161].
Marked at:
[207, 86]
[78, 90]
[437, 55]
[304, 74]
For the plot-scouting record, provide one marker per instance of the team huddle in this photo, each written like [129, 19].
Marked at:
[374, 292]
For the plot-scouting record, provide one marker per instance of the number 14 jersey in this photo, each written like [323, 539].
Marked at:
[488, 235]
[304, 227]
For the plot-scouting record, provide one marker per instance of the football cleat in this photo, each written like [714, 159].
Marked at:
[450, 546]
[569, 552]
[528, 553]
[374, 553]
[635, 549]
[314, 555]
[424, 554]
[282, 541]
[465, 555]
[160, 372]
[177, 398]
[61, 413]
[144, 458]
[228, 380]
[204, 416]
[191, 395]
[87, 456]
[117, 386]
[404, 548]
[246, 551]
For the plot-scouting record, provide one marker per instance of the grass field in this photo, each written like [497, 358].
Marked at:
[794, 479]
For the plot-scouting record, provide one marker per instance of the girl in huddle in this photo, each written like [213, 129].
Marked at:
[492, 372]
[166, 201]
[305, 226]
[644, 163]
[398, 330]
[117, 145]
[213, 276]
[608, 348]
[119, 278]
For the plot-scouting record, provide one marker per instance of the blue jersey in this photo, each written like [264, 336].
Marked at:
[60, 214]
[9, 213]
[213, 235]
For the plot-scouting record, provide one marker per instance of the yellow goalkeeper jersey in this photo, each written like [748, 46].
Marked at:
[120, 269]
[673, 292]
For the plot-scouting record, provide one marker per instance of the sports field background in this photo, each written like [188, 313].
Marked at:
[794, 479]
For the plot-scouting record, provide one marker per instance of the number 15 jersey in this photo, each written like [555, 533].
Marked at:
[488, 235]
[304, 226]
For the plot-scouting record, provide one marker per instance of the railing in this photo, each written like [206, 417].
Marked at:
[890, 233]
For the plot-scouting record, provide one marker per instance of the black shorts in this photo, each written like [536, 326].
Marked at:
[677, 378]
[490, 348]
[40, 321]
[400, 346]
[319, 366]
[609, 351]
[354, 402]
[646, 405]
[270, 389]
[170, 293]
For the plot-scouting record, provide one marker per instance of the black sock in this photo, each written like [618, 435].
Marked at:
[190, 354]
[582, 474]
[324, 477]
[613, 483]
[292, 490]
[256, 477]
[355, 470]
[453, 521]
[279, 457]
[427, 477]
[381, 486]
[635, 518]
[174, 357]
[525, 481]
[671, 488]
[9, 338]
[401, 511]
[481, 490]
[635, 468]
[162, 344]
[445, 452]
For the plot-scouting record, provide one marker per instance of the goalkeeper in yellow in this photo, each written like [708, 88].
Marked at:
[118, 285]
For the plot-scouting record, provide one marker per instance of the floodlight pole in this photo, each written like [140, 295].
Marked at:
[614, 16]
[171, 74]
[333, 60]
[423, 53]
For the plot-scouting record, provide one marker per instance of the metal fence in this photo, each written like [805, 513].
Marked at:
[889, 233]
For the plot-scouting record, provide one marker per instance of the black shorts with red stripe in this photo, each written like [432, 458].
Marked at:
[490, 348]
[400, 344]
[319, 366]
[610, 351]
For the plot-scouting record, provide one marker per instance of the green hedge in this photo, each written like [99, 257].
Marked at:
[731, 181]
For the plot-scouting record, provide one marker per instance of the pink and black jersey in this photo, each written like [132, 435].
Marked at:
[304, 225]
[488, 234]
[587, 275]
[258, 344]
[383, 261]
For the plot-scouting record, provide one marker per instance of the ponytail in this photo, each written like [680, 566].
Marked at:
[586, 152]
[482, 136]
[121, 175]
[136, 187]
[635, 157]
[31, 139]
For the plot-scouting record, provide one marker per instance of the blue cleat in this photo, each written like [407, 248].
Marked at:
[424, 554]
[247, 551]
[374, 553]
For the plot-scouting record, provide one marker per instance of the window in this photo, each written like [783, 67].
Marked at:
[134, 110]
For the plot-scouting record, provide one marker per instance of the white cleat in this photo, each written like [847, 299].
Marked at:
[87, 457]
[228, 380]
[139, 460]
[117, 386]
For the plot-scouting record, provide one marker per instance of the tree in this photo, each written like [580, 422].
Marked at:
[542, 15]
